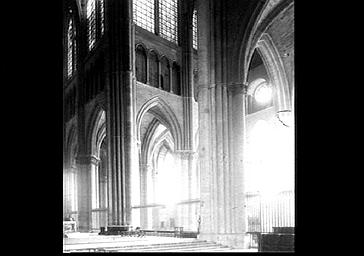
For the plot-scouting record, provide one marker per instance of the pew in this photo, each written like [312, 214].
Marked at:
[281, 240]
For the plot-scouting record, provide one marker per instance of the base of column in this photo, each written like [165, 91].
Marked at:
[83, 222]
[83, 228]
[238, 241]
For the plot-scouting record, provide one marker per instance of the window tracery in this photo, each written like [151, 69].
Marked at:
[71, 47]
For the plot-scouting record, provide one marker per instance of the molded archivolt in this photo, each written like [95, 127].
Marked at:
[96, 130]
[276, 72]
[164, 140]
[163, 146]
[165, 115]
[145, 144]
[258, 24]
[71, 146]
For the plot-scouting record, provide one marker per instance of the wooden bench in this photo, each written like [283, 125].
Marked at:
[281, 240]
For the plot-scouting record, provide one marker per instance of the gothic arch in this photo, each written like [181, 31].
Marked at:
[165, 115]
[71, 145]
[96, 130]
[163, 140]
[276, 71]
[242, 40]
[142, 46]
[258, 28]
[145, 145]
[153, 52]
[163, 146]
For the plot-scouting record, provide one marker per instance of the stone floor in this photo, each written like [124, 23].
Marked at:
[92, 242]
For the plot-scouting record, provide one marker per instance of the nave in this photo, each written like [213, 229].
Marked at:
[92, 242]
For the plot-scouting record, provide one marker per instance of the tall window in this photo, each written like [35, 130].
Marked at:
[71, 48]
[143, 11]
[194, 29]
[95, 21]
[158, 16]
[168, 22]
[102, 16]
[91, 23]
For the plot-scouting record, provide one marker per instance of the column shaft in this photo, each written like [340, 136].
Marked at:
[120, 115]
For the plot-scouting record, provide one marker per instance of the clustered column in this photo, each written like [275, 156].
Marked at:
[120, 115]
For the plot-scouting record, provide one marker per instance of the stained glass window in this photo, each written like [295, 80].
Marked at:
[160, 17]
[71, 48]
[194, 29]
[168, 19]
[91, 23]
[102, 16]
[144, 14]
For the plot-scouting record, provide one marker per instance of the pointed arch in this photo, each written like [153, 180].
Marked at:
[276, 71]
[141, 61]
[155, 143]
[145, 144]
[163, 144]
[96, 130]
[165, 115]
[259, 25]
[71, 146]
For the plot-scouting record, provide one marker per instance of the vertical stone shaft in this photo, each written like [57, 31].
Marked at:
[120, 110]
[222, 130]
[84, 193]
[203, 20]
[187, 74]
[187, 94]
[220, 124]
[83, 167]
[238, 115]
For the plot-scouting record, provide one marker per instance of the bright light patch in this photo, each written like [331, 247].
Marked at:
[270, 165]
[263, 94]
[168, 185]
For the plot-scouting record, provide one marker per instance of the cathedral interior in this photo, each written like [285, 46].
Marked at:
[179, 116]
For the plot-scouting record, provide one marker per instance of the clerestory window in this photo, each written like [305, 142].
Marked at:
[143, 11]
[168, 19]
[71, 47]
[95, 13]
[194, 29]
[158, 16]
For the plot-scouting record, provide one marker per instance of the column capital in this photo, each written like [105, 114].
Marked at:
[146, 167]
[186, 154]
[238, 88]
[87, 159]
